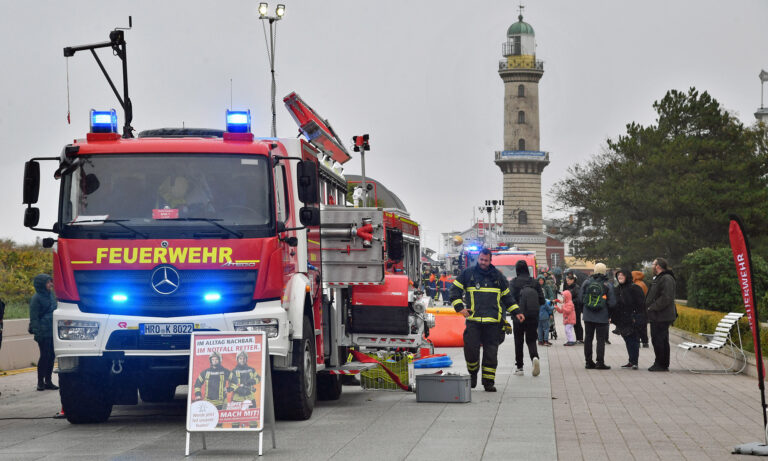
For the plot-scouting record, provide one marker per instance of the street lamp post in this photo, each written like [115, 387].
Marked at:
[494, 205]
[279, 12]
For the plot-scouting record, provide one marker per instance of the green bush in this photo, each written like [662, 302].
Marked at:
[712, 281]
[696, 321]
[16, 310]
[18, 266]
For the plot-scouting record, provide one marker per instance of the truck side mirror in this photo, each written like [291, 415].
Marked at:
[395, 244]
[306, 170]
[31, 184]
[31, 216]
[309, 216]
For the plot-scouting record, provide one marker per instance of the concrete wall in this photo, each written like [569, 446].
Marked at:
[19, 349]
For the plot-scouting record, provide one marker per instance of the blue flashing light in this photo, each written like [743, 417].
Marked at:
[103, 121]
[472, 248]
[212, 297]
[119, 298]
[239, 121]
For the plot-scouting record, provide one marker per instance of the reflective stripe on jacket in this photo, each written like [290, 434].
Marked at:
[486, 292]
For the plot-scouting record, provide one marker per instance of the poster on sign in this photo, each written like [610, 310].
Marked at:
[226, 382]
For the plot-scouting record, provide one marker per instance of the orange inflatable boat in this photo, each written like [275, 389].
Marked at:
[449, 327]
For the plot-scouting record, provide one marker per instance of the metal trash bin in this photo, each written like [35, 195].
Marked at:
[443, 388]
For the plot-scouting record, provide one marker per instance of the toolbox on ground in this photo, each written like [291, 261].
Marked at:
[443, 388]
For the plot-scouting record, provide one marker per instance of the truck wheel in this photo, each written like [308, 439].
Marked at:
[328, 387]
[295, 392]
[85, 397]
[157, 392]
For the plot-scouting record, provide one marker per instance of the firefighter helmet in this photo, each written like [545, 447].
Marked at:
[214, 354]
[243, 354]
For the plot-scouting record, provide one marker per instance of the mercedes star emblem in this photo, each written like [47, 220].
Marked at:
[165, 280]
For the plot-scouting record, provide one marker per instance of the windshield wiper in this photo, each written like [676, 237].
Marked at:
[119, 222]
[212, 221]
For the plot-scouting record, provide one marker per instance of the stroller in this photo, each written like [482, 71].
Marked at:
[552, 330]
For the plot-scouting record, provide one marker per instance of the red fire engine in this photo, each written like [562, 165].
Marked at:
[183, 230]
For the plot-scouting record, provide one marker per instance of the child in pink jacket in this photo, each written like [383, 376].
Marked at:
[569, 317]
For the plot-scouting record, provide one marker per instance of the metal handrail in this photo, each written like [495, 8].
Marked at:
[504, 65]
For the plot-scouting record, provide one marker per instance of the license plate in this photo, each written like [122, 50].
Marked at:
[166, 328]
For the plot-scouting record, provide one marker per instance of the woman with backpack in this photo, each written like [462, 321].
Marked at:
[629, 315]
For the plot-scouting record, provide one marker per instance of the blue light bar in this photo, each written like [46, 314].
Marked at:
[119, 298]
[212, 297]
[103, 121]
[472, 248]
[239, 121]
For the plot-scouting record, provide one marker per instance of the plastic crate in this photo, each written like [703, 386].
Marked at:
[443, 388]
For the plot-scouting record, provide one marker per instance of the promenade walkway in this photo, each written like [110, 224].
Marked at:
[566, 413]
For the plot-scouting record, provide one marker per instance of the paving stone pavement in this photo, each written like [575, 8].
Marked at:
[514, 423]
[624, 414]
[566, 413]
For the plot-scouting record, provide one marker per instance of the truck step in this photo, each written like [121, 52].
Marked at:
[350, 368]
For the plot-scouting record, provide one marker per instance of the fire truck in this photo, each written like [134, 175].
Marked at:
[503, 258]
[191, 230]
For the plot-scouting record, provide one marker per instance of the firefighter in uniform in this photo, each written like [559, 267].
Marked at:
[487, 292]
[244, 381]
[216, 379]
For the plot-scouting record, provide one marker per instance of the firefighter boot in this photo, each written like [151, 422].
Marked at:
[489, 387]
[473, 380]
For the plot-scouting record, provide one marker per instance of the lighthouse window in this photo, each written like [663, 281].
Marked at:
[521, 144]
[522, 218]
[520, 91]
[521, 117]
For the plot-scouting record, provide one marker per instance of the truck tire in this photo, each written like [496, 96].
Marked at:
[157, 392]
[328, 387]
[295, 392]
[85, 398]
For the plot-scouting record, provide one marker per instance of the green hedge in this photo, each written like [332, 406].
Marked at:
[710, 276]
[696, 321]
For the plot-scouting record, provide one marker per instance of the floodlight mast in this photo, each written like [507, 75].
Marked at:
[117, 43]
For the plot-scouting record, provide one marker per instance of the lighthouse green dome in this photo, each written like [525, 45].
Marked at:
[520, 28]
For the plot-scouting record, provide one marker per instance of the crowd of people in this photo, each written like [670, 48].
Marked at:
[484, 297]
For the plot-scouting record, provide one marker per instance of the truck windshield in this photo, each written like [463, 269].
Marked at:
[154, 195]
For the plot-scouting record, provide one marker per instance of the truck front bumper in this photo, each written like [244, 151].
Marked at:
[121, 334]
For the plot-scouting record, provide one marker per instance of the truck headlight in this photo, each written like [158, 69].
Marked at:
[269, 326]
[78, 330]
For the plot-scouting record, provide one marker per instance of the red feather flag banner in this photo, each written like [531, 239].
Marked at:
[742, 259]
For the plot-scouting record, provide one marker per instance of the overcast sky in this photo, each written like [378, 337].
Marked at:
[420, 76]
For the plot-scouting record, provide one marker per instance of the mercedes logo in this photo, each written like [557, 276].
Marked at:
[165, 280]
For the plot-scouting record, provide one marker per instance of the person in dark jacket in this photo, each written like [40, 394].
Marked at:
[573, 287]
[596, 319]
[637, 278]
[660, 304]
[41, 308]
[489, 299]
[629, 315]
[529, 302]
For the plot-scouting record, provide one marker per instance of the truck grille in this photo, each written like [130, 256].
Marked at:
[97, 287]
[128, 340]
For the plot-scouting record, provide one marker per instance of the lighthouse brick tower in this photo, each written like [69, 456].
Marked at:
[522, 161]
